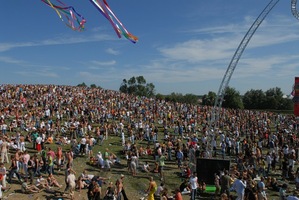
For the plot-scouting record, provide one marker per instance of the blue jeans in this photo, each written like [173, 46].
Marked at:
[118, 196]
[51, 169]
[11, 173]
[25, 167]
[193, 194]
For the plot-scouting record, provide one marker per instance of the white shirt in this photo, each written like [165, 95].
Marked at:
[4, 126]
[71, 180]
[269, 159]
[38, 140]
[239, 186]
[83, 141]
[193, 182]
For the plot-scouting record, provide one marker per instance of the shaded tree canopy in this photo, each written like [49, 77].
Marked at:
[232, 99]
[137, 86]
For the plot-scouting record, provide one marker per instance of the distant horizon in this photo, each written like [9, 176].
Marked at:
[185, 50]
[77, 85]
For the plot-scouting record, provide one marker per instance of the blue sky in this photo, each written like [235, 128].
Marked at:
[184, 46]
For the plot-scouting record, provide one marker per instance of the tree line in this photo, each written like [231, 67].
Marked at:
[271, 99]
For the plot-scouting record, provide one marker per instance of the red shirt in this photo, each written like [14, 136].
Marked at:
[178, 196]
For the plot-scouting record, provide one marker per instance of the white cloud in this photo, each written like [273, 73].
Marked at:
[10, 60]
[38, 74]
[112, 51]
[56, 41]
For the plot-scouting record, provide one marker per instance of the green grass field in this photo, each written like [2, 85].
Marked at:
[134, 186]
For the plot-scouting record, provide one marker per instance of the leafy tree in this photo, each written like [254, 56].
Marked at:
[124, 86]
[286, 104]
[160, 96]
[178, 97]
[254, 99]
[82, 85]
[150, 90]
[93, 86]
[190, 98]
[137, 86]
[232, 99]
[175, 97]
[274, 98]
[209, 99]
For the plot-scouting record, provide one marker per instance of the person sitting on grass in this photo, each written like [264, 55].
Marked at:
[41, 183]
[159, 190]
[184, 187]
[186, 171]
[81, 184]
[29, 188]
[52, 181]
[165, 195]
[146, 168]
[92, 161]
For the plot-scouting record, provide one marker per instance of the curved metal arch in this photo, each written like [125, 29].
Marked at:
[235, 59]
[294, 9]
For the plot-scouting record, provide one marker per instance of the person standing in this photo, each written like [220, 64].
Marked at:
[26, 158]
[4, 129]
[107, 160]
[217, 184]
[179, 156]
[3, 175]
[161, 160]
[261, 189]
[119, 187]
[71, 181]
[50, 164]
[169, 149]
[120, 191]
[225, 183]
[31, 169]
[193, 182]
[83, 145]
[269, 162]
[22, 143]
[69, 158]
[239, 185]
[13, 169]
[59, 156]
[152, 188]
[68, 171]
[38, 141]
[223, 149]
[4, 147]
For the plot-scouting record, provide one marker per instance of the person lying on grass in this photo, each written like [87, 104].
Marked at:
[26, 188]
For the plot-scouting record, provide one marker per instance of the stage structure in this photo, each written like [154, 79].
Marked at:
[206, 168]
[236, 57]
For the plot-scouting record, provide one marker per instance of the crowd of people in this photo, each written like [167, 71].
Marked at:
[263, 146]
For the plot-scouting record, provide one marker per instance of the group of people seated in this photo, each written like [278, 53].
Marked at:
[102, 162]
[40, 184]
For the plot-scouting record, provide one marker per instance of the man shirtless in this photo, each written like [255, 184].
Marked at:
[69, 158]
